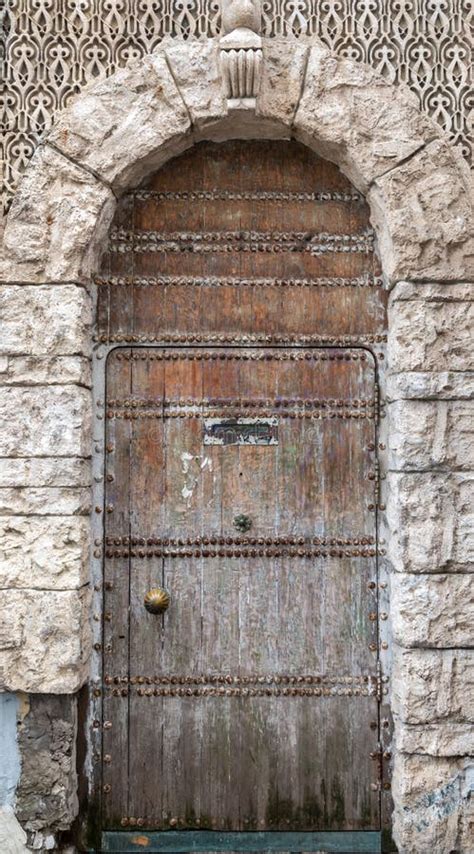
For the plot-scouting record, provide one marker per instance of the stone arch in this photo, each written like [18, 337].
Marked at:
[119, 130]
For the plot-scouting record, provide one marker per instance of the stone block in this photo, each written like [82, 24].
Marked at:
[45, 320]
[46, 800]
[422, 211]
[34, 370]
[433, 610]
[426, 435]
[424, 385]
[434, 806]
[45, 471]
[45, 501]
[44, 553]
[433, 686]
[446, 739]
[127, 126]
[430, 328]
[45, 421]
[431, 516]
[56, 223]
[51, 655]
[197, 74]
[348, 113]
[283, 71]
[12, 835]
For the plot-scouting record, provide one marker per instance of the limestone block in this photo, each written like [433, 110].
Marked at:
[197, 74]
[56, 223]
[431, 330]
[432, 686]
[351, 115]
[12, 835]
[44, 553]
[428, 435]
[433, 805]
[431, 519]
[432, 611]
[55, 640]
[446, 739]
[283, 70]
[422, 211]
[46, 800]
[45, 320]
[45, 501]
[125, 127]
[45, 471]
[45, 421]
[424, 385]
[34, 370]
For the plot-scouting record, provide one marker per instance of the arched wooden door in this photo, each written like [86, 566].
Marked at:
[242, 293]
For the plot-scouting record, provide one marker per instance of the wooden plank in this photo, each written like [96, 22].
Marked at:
[174, 842]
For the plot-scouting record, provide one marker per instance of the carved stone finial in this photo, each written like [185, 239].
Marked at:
[241, 13]
[241, 49]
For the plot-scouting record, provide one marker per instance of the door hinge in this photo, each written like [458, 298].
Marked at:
[379, 682]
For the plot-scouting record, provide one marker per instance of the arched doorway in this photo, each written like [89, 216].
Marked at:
[242, 308]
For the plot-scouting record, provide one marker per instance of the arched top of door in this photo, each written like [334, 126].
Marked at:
[120, 130]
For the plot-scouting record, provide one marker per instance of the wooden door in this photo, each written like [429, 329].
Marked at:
[241, 292]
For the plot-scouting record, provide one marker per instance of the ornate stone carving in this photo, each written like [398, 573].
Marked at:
[241, 49]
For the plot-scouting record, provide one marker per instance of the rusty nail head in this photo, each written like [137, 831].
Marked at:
[373, 724]
[107, 724]
[107, 788]
[387, 786]
[384, 645]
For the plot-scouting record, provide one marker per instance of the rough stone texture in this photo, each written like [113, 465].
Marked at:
[45, 421]
[48, 471]
[44, 501]
[45, 320]
[47, 793]
[432, 611]
[45, 554]
[430, 517]
[57, 211]
[423, 212]
[47, 634]
[428, 435]
[34, 370]
[419, 385]
[281, 86]
[12, 835]
[347, 114]
[437, 815]
[432, 686]
[446, 739]
[430, 328]
[125, 127]
[197, 74]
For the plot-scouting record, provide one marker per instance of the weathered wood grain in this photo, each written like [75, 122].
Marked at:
[250, 705]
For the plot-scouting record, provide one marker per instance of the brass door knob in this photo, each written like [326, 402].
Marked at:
[157, 600]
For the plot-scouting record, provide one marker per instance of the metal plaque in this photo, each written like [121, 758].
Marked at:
[241, 431]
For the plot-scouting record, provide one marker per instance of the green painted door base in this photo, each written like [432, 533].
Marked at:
[182, 842]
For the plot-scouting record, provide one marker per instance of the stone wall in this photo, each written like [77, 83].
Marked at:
[422, 210]
[431, 548]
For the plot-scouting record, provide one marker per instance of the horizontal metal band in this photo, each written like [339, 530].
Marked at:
[366, 281]
[247, 196]
[259, 680]
[240, 552]
[250, 403]
[136, 414]
[123, 240]
[158, 355]
[214, 540]
[183, 842]
[164, 338]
